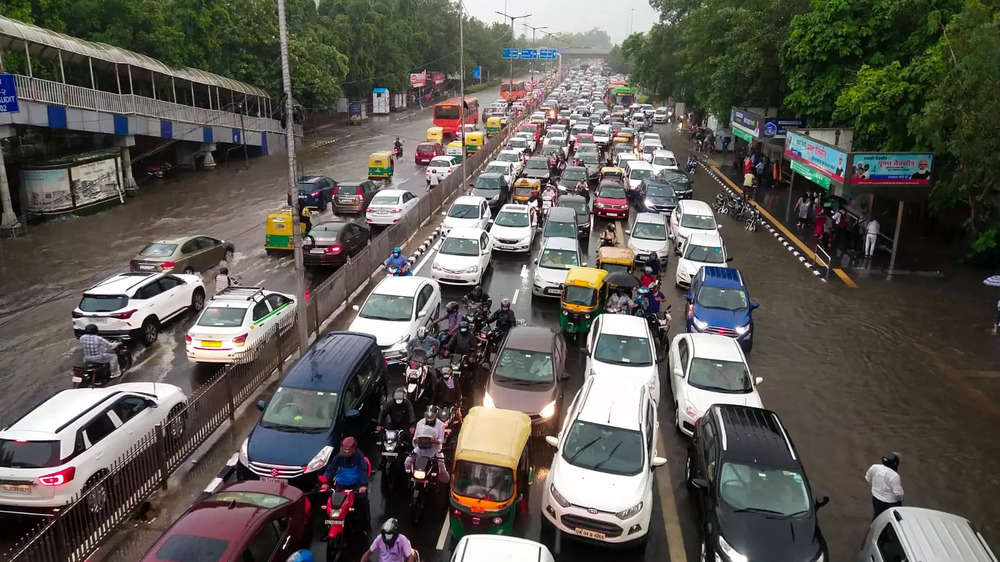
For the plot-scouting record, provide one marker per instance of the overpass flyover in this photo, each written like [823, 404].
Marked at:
[585, 52]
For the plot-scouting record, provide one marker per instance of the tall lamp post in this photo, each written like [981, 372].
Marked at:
[531, 64]
[559, 69]
[461, 86]
[512, 18]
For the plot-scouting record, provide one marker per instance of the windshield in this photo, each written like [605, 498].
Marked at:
[222, 317]
[158, 250]
[28, 454]
[483, 481]
[387, 307]
[580, 296]
[385, 200]
[559, 141]
[509, 157]
[611, 191]
[538, 164]
[300, 409]
[488, 183]
[698, 222]
[664, 161]
[726, 299]
[502, 169]
[580, 207]
[602, 131]
[660, 191]
[446, 112]
[515, 220]
[460, 246]
[554, 229]
[649, 231]
[461, 211]
[574, 174]
[518, 143]
[426, 147]
[673, 176]
[102, 303]
[192, 548]
[719, 376]
[559, 259]
[524, 367]
[604, 448]
[759, 488]
[255, 499]
[614, 267]
[704, 254]
[631, 351]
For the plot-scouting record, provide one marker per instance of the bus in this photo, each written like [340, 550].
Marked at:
[446, 114]
[619, 94]
[511, 91]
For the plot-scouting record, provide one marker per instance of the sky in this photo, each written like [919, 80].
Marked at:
[570, 15]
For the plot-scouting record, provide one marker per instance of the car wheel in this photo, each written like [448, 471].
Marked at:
[150, 331]
[176, 423]
[189, 270]
[97, 495]
[198, 300]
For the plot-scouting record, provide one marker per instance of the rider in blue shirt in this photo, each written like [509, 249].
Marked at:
[349, 469]
[398, 260]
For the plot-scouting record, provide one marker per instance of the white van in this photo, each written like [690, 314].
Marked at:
[902, 534]
[499, 548]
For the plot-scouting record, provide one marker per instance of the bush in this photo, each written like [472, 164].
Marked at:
[482, 86]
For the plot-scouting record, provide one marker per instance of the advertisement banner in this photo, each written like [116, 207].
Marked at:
[47, 191]
[418, 80]
[778, 126]
[892, 168]
[828, 160]
[437, 77]
[94, 182]
[746, 120]
[812, 175]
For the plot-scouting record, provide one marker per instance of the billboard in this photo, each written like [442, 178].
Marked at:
[891, 167]
[830, 161]
[47, 191]
[418, 80]
[95, 181]
[437, 77]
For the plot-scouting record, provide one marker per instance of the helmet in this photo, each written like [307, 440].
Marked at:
[90, 329]
[610, 227]
[390, 531]
[505, 304]
[643, 290]
[303, 555]
[399, 395]
[445, 372]
[648, 270]
[431, 414]
[891, 460]
[396, 251]
[452, 306]
[654, 285]
[421, 332]
[463, 326]
[224, 271]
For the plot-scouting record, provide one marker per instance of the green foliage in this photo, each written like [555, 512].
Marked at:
[482, 86]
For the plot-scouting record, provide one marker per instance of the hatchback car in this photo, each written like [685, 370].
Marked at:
[443, 166]
[560, 222]
[515, 157]
[689, 217]
[314, 191]
[191, 254]
[236, 322]
[600, 484]
[389, 205]
[523, 145]
[353, 196]
[334, 390]
[648, 234]
[611, 201]
[514, 228]
[494, 188]
[395, 309]
[527, 376]
[529, 138]
[426, 151]
[467, 211]
[537, 167]
[572, 177]
[700, 249]
[636, 172]
[330, 243]
[708, 369]
[463, 257]
[620, 345]
[752, 491]
[506, 169]
[556, 257]
[580, 206]
[719, 303]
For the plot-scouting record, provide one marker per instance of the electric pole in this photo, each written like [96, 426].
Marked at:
[512, 18]
[531, 64]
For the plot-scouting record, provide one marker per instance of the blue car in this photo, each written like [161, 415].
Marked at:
[315, 191]
[719, 303]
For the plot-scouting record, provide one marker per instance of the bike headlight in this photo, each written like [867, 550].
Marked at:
[320, 460]
[488, 401]
[244, 456]
[700, 324]
[629, 512]
[731, 553]
[548, 411]
[419, 474]
[558, 497]
[740, 330]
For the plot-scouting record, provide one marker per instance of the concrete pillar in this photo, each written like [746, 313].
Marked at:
[209, 162]
[126, 142]
[9, 224]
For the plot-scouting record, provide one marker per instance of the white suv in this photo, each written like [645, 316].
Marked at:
[235, 322]
[136, 305]
[69, 442]
[601, 479]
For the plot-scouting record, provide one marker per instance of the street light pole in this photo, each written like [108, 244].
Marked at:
[512, 18]
[461, 86]
[301, 312]
[531, 64]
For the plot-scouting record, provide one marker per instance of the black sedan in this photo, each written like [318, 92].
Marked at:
[682, 184]
[537, 167]
[656, 196]
[328, 244]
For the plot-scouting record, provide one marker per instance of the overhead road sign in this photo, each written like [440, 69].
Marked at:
[547, 54]
[529, 54]
[511, 53]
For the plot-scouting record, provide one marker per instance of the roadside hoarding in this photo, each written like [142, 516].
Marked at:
[830, 161]
[418, 80]
[891, 168]
[94, 182]
[47, 190]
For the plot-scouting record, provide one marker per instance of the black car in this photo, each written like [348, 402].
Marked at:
[572, 176]
[537, 167]
[329, 243]
[315, 191]
[581, 207]
[681, 182]
[493, 188]
[755, 499]
[333, 391]
[656, 196]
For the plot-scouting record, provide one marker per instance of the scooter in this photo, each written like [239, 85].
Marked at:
[396, 271]
[99, 374]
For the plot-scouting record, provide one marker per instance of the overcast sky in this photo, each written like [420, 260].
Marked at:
[570, 15]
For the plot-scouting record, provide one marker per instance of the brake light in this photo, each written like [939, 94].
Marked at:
[124, 315]
[77, 314]
[360, 194]
[240, 340]
[314, 194]
[58, 478]
[187, 338]
[335, 249]
[167, 265]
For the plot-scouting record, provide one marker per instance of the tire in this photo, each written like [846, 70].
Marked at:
[178, 423]
[150, 331]
[97, 500]
[335, 549]
[197, 300]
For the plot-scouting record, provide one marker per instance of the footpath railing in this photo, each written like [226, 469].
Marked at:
[76, 531]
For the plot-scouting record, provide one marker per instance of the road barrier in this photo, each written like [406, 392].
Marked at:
[76, 531]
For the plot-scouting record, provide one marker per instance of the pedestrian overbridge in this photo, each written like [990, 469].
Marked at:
[585, 52]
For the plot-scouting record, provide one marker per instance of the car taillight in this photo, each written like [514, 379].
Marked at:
[336, 188]
[167, 265]
[240, 340]
[187, 338]
[124, 315]
[58, 478]
[314, 194]
[335, 249]
[77, 314]
[360, 194]
[397, 210]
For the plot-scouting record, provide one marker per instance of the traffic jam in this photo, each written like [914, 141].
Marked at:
[573, 351]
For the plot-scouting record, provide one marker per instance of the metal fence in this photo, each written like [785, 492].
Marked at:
[76, 531]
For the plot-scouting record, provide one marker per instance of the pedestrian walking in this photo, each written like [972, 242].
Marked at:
[820, 223]
[725, 144]
[996, 319]
[840, 225]
[432, 180]
[886, 486]
[802, 210]
[871, 237]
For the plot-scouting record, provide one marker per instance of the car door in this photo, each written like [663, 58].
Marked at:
[98, 429]
[485, 251]
[147, 299]
[678, 362]
[282, 309]
[189, 256]
[424, 311]
[409, 201]
[134, 416]
[351, 400]
[259, 318]
[262, 544]
[484, 214]
[369, 401]
[175, 295]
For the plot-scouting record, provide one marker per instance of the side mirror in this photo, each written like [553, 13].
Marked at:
[687, 297]
[629, 232]
[262, 405]
[729, 258]
[821, 501]
[758, 380]
[421, 314]
[352, 414]
[754, 305]
[536, 261]
[699, 483]
[658, 462]
[355, 307]
[552, 440]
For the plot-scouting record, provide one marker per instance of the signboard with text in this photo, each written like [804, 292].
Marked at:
[510, 53]
[477, 72]
[779, 126]
[821, 157]
[529, 54]
[745, 120]
[418, 80]
[8, 94]
[891, 168]
[547, 54]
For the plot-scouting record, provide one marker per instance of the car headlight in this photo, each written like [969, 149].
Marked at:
[740, 330]
[626, 513]
[700, 324]
[691, 410]
[558, 497]
[548, 411]
[436, 266]
[488, 401]
[320, 460]
[731, 553]
[599, 205]
[471, 269]
[244, 456]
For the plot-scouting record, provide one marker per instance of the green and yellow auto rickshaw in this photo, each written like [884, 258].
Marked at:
[615, 258]
[493, 125]
[380, 165]
[278, 229]
[454, 148]
[473, 141]
[584, 295]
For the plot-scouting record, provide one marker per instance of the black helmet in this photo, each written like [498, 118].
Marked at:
[431, 414]
[463, 326]
[505, 304]
[452, 306]
[390, 531]
[891, 460]
[224, 271]
[91, 329]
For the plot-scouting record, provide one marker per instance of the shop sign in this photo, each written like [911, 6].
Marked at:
[891, 168]
[814, 176]
[778, 126]
[418, 80]
[747, 120]
[823, 158]
[741, 134]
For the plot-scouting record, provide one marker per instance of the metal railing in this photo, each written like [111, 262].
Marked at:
[823, 257]
[76, 531]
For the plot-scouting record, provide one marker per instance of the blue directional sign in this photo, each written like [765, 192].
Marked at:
[511, 53]
[477, 72]
[547, 54]
[8, 94]
[529, 54]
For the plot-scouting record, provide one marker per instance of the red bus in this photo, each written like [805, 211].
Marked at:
[446, 114]
[513, 91]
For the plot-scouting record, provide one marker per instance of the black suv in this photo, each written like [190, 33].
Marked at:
[755, 500]
[315, 191]
[333, 391]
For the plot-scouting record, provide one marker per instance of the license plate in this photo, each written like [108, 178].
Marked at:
[211, 343]
[317, 251]
[590, 534]
[389, 454]
[98, 320]
[22, 489]
[147, 267]
[331, 522]
[77, 379]
[552, 291]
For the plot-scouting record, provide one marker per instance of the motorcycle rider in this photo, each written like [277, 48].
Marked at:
[653, 262]
[609, 237]
[654, 297]
[391, 545]
[422, 348]
[503, 316]
[349, 469]
[647, 276]
[461, 343]
[692, 164]
[397, 413]
[431, 427]
[476, 297]
[453, 318]
[397, 260]
[446, 390]
[99, 350]
[398, 147]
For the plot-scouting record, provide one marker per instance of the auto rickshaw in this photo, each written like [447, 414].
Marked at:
[492, 472]
[622, 137]
[493, 125]
[278, 230]
[380, 165]
[584, 295]
[526, 190]
[454, 148]
[473, 141]
[616, 259]
[612, 173]
[435, 134]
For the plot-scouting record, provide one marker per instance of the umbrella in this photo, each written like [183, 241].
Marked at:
[622, 279]
[992, 281]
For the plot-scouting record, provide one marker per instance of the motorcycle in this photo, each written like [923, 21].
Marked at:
[161, 171]
[423, 478]
[478, 312]
[99, 374]
[396, 271]
[393, 450]
[342, 525]
[692, 166]
[660, 328]
[398, 150]
[417, 383]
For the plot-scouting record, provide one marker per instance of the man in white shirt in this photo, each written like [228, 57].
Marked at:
[432, 180]
[886, 487]
[871, 237]
[433, 428]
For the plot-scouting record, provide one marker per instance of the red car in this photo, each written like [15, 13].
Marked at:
[252, 520]
[426, 151]
[611, 201]
[533, 129]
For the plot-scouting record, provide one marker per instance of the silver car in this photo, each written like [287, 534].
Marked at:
[190, 254]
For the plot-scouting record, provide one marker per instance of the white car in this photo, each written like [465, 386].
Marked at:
[394, 310]
[69, 442]
[600, 484]
[514, 156]
[555, 258]
[660, 115]
[699, 250]
[620, 345]
[443, 165]
[468, 211]
[528, 137]
[505, 169]
[664, 160]
[636, 171]
[514, 228]
[602, 134]
[556, 143]
[499, 548]
[235, 322]
[463, 257]
[648, 234]
[136, 305]
[559, 129]
[651, 136]
[690, 216]
[519, 144]
[625, 159]
[389, 205]
[708, 369]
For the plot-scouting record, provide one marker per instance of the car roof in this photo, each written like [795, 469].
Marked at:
[311, 179]
[391, 192]
[178, 240]
[469, 200]
[63, 407]
[937, 535]
[706, 238]
[655, 218]
[499, 548]
[695, 206]
[669, 153]
[638, 164]
[405, 286]
[714, 346]
[490, 175]
[753, 436]
[562, 214]
[722, 277]
[561, 243]
[623, 325]
[466, 232]
[530, 338]
[328, 361]
[613, 400]
[123, 283]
